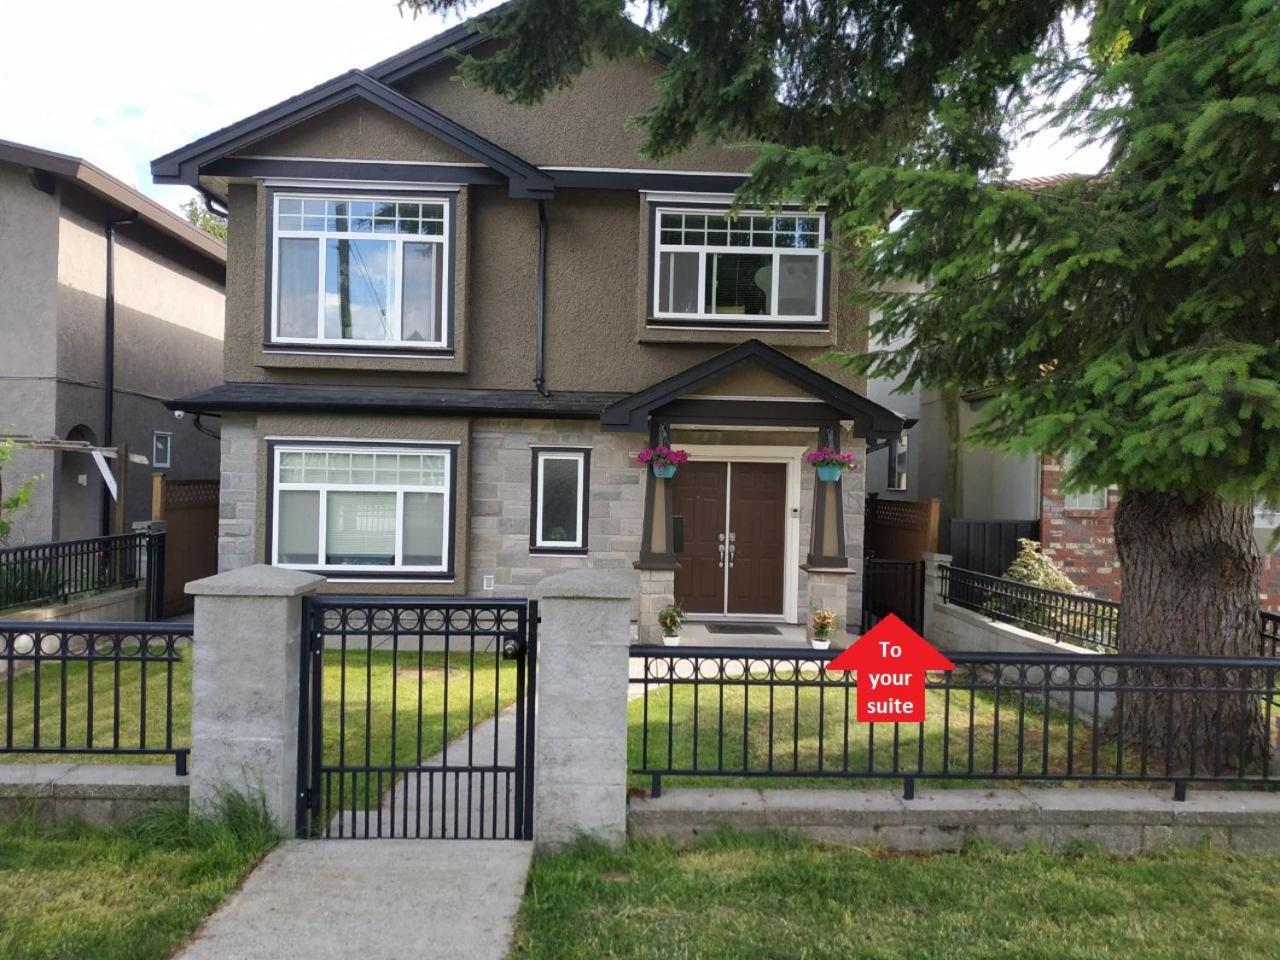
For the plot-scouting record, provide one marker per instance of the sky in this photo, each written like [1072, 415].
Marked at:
[122, 83]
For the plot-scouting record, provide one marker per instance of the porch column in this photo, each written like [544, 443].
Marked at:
[657, 563]
[827, 541]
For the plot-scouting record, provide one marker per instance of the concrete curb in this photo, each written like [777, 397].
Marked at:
[97, 794]
[1121, 821]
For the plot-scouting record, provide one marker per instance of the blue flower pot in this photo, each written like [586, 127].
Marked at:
[664, 471]
[829, 473]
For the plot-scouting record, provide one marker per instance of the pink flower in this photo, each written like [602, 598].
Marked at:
[826, 457]
[663, 455]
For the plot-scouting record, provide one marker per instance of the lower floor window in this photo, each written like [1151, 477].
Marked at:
[559, 509]
[356, 509]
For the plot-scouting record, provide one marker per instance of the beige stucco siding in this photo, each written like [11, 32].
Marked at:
[597, 241]
[357, 130]
[582, 125]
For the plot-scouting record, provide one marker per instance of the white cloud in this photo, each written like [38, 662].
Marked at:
[122, 83]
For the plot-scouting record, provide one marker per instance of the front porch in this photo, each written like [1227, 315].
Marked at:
[745, 532]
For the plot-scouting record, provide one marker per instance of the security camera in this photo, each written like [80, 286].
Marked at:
[178, 414]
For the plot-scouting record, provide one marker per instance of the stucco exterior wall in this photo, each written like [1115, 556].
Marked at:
[596, 246]
[28, 281]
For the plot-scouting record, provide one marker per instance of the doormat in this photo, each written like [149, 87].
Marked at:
[756, 628]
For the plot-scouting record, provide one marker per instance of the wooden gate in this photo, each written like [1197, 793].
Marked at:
[189, 510]
[901, 529]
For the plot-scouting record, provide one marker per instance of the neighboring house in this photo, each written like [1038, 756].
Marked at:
[63, 284]
[453, 321]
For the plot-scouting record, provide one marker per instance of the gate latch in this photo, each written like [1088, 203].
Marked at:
[513, 646]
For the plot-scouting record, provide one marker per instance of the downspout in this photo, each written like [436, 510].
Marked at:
[109, 359]
[540, 316]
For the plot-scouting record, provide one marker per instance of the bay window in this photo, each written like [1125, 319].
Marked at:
[747, 269]
[360, 271]
[362, 509]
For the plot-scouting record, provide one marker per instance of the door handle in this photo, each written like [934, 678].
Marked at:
[733, 548]
[720, 549]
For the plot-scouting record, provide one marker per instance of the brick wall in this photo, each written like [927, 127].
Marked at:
[1083, 544]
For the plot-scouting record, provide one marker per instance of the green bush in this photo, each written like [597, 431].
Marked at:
[28, 582]
[1035, 569]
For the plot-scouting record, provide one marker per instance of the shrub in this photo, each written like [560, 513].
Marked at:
[1035, 569]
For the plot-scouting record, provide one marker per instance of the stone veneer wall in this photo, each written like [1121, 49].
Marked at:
[501, 468]
[238, 493]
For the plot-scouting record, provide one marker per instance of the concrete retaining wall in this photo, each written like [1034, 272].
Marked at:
[101, 795]
[113, 606]
[1120, 821]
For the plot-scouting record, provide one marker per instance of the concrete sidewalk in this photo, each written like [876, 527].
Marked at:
[373, 900]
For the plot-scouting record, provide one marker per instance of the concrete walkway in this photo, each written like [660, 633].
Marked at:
[372, 900]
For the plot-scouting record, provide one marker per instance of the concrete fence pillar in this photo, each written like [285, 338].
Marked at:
[580, 745]
[245, 687]
[932, 588]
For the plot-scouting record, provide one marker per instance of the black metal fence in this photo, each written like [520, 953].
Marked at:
[416, 718]
[55, 572]
[95, 688]
[1073, 618]
[989, 546]
[778, 713]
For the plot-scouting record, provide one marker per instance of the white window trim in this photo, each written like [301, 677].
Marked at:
[444, 240]
[399, 489]
[764, 319]
[580, 457]
[168, 460]
[1094, 498]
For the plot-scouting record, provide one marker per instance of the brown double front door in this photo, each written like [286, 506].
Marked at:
[734, 520]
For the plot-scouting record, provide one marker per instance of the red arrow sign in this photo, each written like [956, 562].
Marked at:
[891, 660]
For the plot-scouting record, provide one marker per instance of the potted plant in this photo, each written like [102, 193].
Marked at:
[670, 618]
[822, 623]
[830, 463]
[663, 459]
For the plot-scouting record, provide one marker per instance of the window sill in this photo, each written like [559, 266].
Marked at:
[336, 358]
[776, 335]
[558, 551]
[1101, 514]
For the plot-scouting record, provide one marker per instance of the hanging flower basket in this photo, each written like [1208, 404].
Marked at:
[662, 459]
[830, 463]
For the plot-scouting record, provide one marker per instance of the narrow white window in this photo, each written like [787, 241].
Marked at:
[161, 450]
[352, 271]
[750, 268]
[362, 509]
[559, 508]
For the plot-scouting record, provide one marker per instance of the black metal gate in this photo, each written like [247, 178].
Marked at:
[416, 718]
[892, 586]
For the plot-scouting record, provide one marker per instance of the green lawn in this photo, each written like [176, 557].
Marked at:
[805, 729]
[121, 894]
[765, 896]
[426, 708]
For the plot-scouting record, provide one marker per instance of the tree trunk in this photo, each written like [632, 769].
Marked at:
[1190, 575]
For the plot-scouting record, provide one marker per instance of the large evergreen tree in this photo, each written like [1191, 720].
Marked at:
[1128, 319]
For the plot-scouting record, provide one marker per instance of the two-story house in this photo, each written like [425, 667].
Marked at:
[453, 321]
[110, 305]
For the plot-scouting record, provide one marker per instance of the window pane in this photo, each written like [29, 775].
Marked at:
[359, 289]
[560, 495]
[739, 283]
[298, 277]
[420, 299]
[360, 528]
[678, 283]
[797, 286]
[298, 526]
[424, 529]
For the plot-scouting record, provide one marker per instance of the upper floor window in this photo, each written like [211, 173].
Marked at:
[898, 463]
[360, 271]
[750, 269]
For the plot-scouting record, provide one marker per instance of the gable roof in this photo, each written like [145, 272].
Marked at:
[871, 419]
[183, 165]
[120, 195]
[460, 39]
